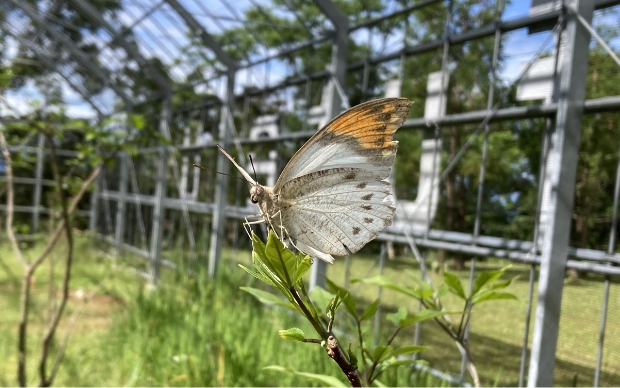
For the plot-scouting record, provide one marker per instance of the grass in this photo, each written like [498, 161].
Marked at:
[192, 331]
[188, 331]
[497, 327]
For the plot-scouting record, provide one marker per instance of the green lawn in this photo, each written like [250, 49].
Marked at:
[497, 328]
[191, 331]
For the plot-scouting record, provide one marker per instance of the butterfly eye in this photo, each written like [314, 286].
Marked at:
[253, 200]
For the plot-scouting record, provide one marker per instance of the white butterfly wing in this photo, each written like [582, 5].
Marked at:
[330, 209]
[361, 137]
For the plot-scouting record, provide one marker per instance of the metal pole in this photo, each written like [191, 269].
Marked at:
[121, 202]
[334, 106]
[94, 206]
[218, 222]
[376, 332]
[36, 200]
[611, 248]
[562, 174]
[159, 211]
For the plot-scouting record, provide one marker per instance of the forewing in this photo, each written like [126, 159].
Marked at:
[361, 137]
[329, 209]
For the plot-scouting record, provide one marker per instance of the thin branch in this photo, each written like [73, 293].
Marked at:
[376, 363]
[334, 351]
[51, 330]
[76, 199]
[24, 303]
[462, 344]
[361, 340]
[10, 201]
[317, 326]
[460, 330]
[25, 291]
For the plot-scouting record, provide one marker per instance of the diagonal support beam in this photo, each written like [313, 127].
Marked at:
[80, 56]
[334, 14]
[95, 16]
[200, 31]
[54, 66]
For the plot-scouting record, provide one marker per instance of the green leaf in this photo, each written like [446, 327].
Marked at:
[492, 295]
[263, 269]
[485, 278]
[293, 333]
[442, 291]
[302, 267]
[385, 282]
[393, 363]
[333, 305]
[406, 350]
[454, 285]
[321, 297]
[323, 380]
[257, 275]
[380, 353]
[352, 357]
[370, 311]
[282, 260]
[281, 369]
[503, 283]
[267, 297]
[379, 383]
[420, 316]
[348, 301]
[258, 246]
[397, 316]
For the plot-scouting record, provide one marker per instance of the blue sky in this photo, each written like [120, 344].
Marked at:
[163, 33]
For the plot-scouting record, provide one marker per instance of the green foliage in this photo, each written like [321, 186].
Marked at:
[279, 267]
[322, 380]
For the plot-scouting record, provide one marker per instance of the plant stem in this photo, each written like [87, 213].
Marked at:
[317, 326]
[51, 329]
[334, 351]
[359, 336]
[10, 201]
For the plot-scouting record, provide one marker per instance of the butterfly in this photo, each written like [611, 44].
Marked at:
[332, 197]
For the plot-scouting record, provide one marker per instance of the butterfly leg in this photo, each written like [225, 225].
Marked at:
[284, 236]
[247, 224]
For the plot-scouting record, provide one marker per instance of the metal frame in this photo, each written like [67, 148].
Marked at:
[79, 55]
[95, 16]
[566, 113]
[574, 71]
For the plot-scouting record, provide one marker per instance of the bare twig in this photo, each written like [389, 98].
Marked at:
[57, 232]
[10, 201]
[334, 351]
[463, 347]
[25, 290]
[51, 329]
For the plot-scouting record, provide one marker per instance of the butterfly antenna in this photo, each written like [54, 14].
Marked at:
[221, 173]
[253, 169]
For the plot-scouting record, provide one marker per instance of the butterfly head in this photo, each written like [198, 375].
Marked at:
[257, 193]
